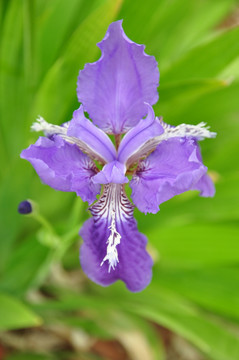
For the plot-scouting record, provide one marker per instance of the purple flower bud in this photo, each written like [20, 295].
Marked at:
[25, 207]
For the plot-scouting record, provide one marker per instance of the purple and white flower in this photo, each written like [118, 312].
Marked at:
[118, 92]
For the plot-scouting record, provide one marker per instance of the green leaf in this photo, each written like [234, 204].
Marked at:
[170, 311]
[12, 192]
[206, 60]
[158, 305]
[30, 356]
[212, 288]
[56, 22]
[57, 93]
[215, 107]
[15, 315]
[175, 97]
[196, 244]
[232, 71]
[90, 326]
[164, 307]
[10, 72]
[26, 267]
[172, 28]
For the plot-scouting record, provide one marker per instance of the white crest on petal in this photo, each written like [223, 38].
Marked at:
[115, 208]
[113, 241]
[198, 132]
[49, 129]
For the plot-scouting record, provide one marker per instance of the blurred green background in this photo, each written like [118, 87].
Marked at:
[48, 308]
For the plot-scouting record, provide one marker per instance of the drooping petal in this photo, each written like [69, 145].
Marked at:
[114, 172]
[113, 249]
[173, 168]
[115, 88]
[206, 186]
[63, 166]
[134, 139]
[83, 129]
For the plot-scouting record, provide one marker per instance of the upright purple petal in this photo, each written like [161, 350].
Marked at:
[83, 129]
[63, 166]
[114, 89]
[113, 249]
[145, 130]
[173, 168]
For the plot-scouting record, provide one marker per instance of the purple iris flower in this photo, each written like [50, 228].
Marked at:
[162, 161]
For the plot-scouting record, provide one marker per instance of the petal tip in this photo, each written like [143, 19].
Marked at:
[114, 28]
[79, 111]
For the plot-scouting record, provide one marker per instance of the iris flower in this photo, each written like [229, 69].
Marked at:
[162, 161]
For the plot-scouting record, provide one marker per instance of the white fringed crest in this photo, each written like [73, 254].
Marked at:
[112, 242]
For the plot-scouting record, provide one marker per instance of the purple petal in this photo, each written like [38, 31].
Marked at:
[206, 186]
[63, 167]
[145, 130]
[173, 168]
[132, 263]
[114, 89]
[114, 172]
[83, 129]
[155, 134]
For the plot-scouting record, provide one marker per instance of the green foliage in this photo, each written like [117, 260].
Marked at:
[15, 315]
[195, 241]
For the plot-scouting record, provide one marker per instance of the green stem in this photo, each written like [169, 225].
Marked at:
[44, 222]
[67, 240]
